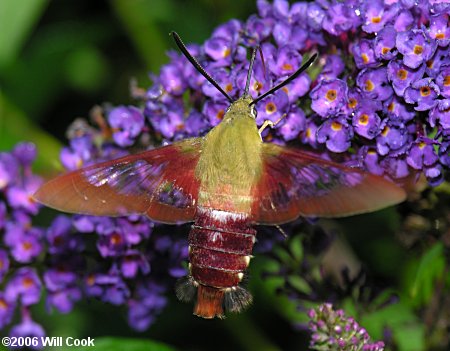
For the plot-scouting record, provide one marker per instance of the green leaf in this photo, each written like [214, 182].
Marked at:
[139, 19]
[15, 127]
[29, 83]
[282, 254]
[410, 337]
[85, 68]
[17, 19]
[123, 344]
[267, 291]
[401, 320]
[299, 284]
[431, 269]
[296, 248]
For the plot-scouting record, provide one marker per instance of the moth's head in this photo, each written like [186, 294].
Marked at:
[243, 105]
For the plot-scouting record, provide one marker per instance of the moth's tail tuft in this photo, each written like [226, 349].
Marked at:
[185, 288]
[209, 302]
[237, 299]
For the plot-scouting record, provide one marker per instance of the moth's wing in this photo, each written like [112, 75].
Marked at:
[295, 183]
[159, 183]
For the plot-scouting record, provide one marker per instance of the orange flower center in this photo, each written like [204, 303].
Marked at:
[286, 90]
[115, 239]
[27, 282]
[352, 102]
[369, 85]
[385, 131]
[228, 87]
[430, 63]
[226, 52]
[3, 304]
[331, 95]
[385, 50]
[422, 145]
[446, 81]
[308, 132]
[440, 36]
[425, 91]
[287, 67]
[391, 107]
[257, 86]
[363, 119]
[402, 74]
[336, 126]
[376, 19]
[271, 108]
[220, 114]
[27, 246]
[90, 280]
[365, 58]
[418, 49]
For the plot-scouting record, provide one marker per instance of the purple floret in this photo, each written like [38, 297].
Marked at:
[127, 123]
[423, 94]
[336, 133]
[328, 97]
[415, 46]
[374, 84]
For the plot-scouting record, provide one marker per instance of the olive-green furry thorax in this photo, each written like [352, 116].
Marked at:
[230, 162]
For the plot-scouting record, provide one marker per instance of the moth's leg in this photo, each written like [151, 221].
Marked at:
[269, 123]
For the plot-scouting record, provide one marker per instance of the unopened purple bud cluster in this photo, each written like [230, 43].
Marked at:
[379, 93]
[332, 330]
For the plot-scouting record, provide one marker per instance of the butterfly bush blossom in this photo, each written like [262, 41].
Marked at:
[332, 330]
[378, 97]
[379, 92]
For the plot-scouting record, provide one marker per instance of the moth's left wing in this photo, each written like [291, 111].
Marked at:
[159, 183]
[295, 183]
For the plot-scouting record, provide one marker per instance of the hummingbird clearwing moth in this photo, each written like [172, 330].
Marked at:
[225, 182]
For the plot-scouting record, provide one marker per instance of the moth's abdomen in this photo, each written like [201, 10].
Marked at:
[220, 247]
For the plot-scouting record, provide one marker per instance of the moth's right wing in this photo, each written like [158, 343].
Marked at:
[159, 183]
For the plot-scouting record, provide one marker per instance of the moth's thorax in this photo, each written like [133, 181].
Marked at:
[230, 163]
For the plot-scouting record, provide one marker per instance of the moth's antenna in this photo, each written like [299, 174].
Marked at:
[287, 81]
[263, 62]
[250, 70]
[197, 65]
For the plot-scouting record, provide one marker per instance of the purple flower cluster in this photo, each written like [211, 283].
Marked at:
[21, 242]
[381, 95]
[125, 263]
[332, 330]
